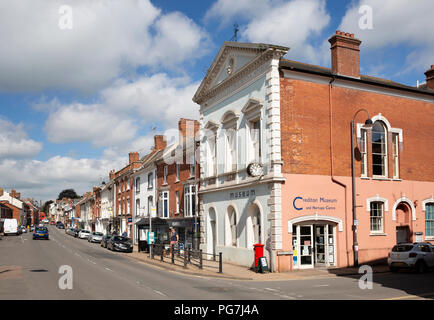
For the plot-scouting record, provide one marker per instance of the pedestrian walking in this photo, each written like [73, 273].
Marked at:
[174, 238]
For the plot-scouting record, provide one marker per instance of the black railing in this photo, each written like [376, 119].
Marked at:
[185, 257]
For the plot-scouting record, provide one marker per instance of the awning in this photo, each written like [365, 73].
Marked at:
[144, 222]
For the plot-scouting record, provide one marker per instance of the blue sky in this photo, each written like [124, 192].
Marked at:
[74, 102]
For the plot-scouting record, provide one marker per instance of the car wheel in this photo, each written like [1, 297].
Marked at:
[420, 267]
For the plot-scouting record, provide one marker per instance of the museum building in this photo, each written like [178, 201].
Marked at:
[276, 158]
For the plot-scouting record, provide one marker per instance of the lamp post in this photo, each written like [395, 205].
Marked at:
[368, 122]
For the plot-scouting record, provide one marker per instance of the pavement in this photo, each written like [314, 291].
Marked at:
[236, 272]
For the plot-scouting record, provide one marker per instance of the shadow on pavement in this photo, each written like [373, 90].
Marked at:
[413, 283]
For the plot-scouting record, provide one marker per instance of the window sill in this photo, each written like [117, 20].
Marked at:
[381, 178]
[378, 234]
[177, 181]
[429, 238]
[365, 178]
[396, 179]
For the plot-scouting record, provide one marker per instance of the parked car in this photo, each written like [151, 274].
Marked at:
[70, 231]
[418, 256]
[52, 223]
[41, 233]
[83, 234]
[76, 232]
[95, 237]
[23, 229]
[60, 225]
[118, 243]
[105, 239]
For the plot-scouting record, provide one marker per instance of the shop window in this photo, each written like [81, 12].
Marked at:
[379, 149]
[376, 217]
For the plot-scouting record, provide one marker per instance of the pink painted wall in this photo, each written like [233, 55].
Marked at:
[371, 247]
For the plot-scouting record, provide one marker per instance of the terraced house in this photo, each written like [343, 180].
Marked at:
[276, 158]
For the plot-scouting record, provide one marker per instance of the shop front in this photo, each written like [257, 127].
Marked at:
[314, 244]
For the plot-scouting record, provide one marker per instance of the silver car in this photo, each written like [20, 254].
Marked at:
[95, 237]
[418, 256]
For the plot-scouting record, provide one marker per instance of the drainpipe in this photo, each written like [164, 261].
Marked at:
[331, 159]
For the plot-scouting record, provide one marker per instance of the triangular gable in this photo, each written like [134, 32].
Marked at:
[231, 58]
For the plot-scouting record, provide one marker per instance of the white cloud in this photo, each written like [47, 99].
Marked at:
[114, 121]
[396, 22]
[89, 123]
[45, 179]
[107, 39]
[14, 143]
[288, 23]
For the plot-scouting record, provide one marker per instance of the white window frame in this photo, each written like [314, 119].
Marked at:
[150, 180]
[231, 149]
[384, 155]
[177, 201]
[166, 172]
[381, 218]
[395, 155]
[424, 205]
[190, 200]
[178, 169]
[137, 207]
[211, 151]
[364, 153]
[164, 196]
[138, 185]
[192, 167]
[150, 205]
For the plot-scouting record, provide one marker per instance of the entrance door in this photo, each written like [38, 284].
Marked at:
[401, 234]
[306, 252]
[320, 249]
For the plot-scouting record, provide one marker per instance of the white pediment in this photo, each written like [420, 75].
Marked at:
[230, 60]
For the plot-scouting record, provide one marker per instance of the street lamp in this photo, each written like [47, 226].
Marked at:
[368, 123]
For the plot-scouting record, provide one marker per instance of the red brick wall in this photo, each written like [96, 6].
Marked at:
[305, 125]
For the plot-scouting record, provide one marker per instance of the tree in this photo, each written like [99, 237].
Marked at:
[68, 193]
[46, 207]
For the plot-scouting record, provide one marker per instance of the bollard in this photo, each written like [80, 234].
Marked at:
[173, 254]
[152, 251]
[185, 260]
[220, 263]
[162, 252]
[189, 255]
[200, 259]
[213, 256]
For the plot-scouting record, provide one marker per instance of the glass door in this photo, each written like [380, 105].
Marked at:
[320, 236]
[306, 253]
[331, 260]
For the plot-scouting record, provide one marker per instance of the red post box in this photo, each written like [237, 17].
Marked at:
[259, 252]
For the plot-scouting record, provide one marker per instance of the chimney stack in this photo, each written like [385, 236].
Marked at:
[13, 193]
[187, 129]
[160, 142]
[134, 157]
[430, 78]
[112, 174]
[345, 54]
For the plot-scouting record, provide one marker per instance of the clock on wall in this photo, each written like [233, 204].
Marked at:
[255, 169]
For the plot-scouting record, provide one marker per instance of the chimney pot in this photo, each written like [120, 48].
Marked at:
[133, 157]
[160, 142]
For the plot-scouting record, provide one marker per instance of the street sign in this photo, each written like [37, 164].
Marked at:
[151, 237]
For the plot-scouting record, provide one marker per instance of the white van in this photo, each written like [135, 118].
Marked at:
[10, 226]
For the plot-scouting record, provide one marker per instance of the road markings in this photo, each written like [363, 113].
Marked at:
[91, 261]
[160, 293]
[77, 254]
[322, 285]
[269, 289]
[108, 269]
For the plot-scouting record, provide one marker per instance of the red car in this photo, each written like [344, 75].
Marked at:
[52, 223]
